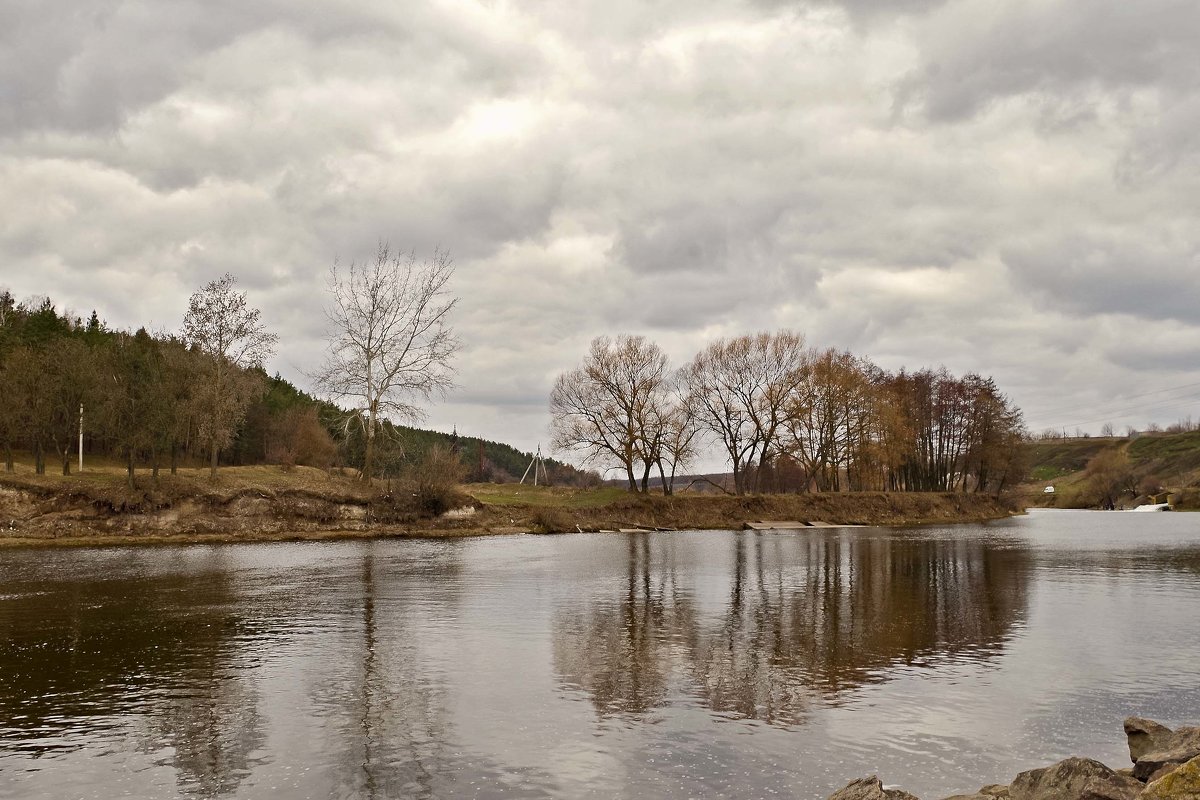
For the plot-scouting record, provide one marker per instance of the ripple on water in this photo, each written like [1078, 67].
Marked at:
[673, 665]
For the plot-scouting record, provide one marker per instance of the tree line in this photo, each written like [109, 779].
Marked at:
[786, 417]
[164, 399]
[150, 398]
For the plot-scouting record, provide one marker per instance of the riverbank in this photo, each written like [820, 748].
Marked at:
[1166, 766]
[268, 504]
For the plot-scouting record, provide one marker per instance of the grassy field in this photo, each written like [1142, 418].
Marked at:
[1057, 457]
[1169, 461]
[109, 477]
[515, 494]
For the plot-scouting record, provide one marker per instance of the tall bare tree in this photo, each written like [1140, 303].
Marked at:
[222, 324]
[390, 342]
[741, 389]
[615, 406]
[678, 438]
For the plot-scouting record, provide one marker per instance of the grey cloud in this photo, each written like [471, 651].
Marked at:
[90, 68]
[1155, 357]
[83, 67]
[863, 11]
[978, 52]
[1107, 272]
[1167, 149]
[684, 170]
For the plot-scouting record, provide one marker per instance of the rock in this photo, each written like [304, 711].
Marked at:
[1074, 779]
[1145, 736]
[869, 789]
[1182, 783]
[1182, 746]
[1165, 769]
[993, 791]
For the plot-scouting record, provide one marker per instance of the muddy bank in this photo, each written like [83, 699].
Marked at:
[91, 515]
[723, 511]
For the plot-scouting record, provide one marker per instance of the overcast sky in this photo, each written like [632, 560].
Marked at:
[1011, 188]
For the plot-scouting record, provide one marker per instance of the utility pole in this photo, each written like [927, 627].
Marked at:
[533, 465]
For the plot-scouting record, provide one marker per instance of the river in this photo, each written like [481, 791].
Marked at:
[690, 664]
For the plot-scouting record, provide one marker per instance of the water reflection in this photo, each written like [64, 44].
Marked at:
[390, 735]
[84, 657]
[800, 620]
[593, 665]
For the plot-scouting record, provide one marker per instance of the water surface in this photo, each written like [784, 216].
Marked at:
[707, 663]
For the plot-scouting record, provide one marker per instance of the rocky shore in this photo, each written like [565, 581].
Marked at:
[1166, 766]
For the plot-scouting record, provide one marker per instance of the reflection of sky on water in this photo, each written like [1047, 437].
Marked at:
[667, 665]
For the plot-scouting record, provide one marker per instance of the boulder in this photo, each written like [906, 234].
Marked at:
[1182, 746]
[1165, 769]
[1182, 783]
[869, 789]
[1074, 779]
[993, 791]
[1145, 736]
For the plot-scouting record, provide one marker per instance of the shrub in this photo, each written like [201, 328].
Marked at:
[297, 437]
[551, 520]
[435, 479]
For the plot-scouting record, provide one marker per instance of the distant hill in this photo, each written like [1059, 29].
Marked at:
[1142, 467]
[491, 462]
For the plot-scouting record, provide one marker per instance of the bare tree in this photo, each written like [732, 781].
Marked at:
[390, 342]
[678, 438]
[740, 389]
[615, 406]
[221, 323]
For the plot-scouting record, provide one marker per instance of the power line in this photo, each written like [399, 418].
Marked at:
[1174, 403]
[1054, 410]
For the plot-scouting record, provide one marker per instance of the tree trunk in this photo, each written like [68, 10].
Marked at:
[66, 460]
[369, 452]
[215, 453]
[154, 463]
[8, 457]
[39, 457]
[129, 466]
[174, 456]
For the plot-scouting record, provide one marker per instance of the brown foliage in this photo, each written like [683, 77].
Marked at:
[297, 437]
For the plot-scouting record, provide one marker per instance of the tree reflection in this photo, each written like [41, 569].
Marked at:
[619, 651]
[156, 651]
[392, 734]
[802, 619]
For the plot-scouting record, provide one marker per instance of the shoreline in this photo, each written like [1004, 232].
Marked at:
[186, 512]
[156, 539]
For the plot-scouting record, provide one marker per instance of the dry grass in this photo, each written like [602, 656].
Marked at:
[515, 494]
[108, 477]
